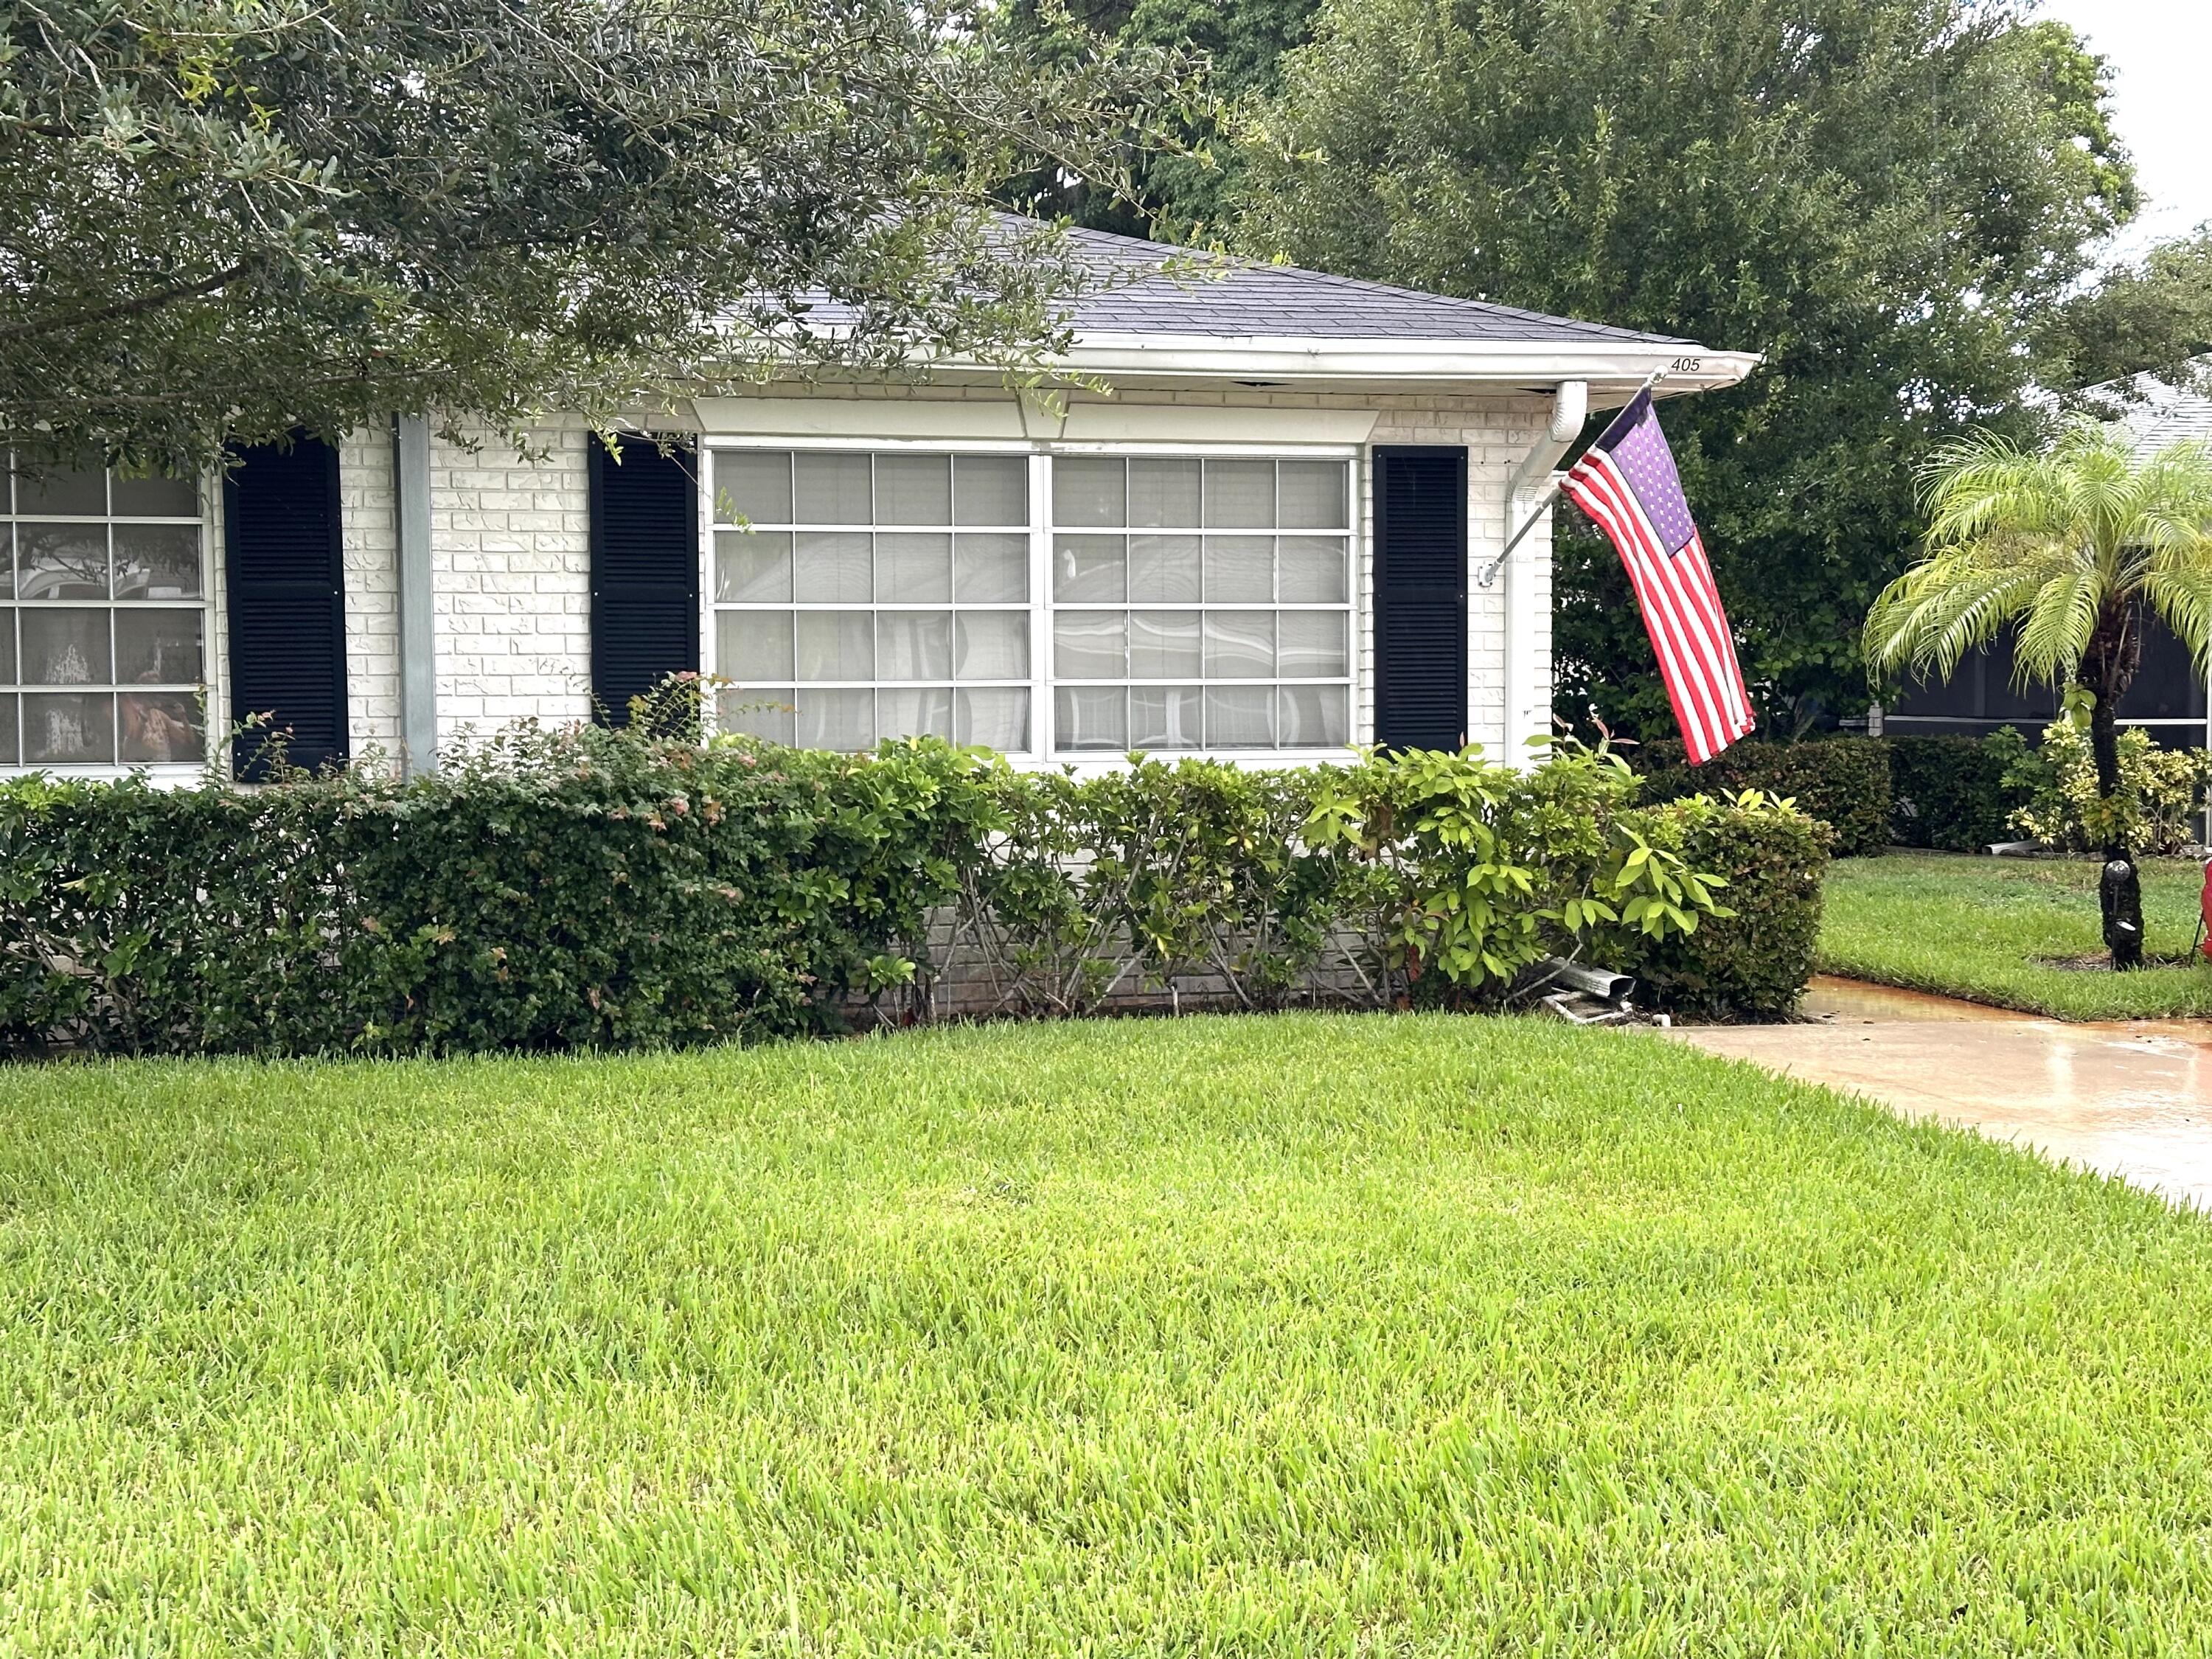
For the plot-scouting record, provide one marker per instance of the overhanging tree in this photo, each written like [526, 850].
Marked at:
[1885, 197]
[2074, 546]
[224, 219]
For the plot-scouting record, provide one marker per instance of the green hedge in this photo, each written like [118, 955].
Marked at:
[1758, 960]
[588, 889]
[1949, 793]
[1842, 781]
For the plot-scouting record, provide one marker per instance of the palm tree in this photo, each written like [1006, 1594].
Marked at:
[2073, 545]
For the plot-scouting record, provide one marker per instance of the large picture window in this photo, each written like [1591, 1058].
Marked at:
[103, 621]
[859, 597]
[1178, 603]
[1200, 604]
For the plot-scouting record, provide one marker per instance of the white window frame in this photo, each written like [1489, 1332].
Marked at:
[210, 604]
[1044, 749]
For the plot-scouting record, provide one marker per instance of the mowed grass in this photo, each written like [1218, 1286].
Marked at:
[1990, 930]
[1304, 1335]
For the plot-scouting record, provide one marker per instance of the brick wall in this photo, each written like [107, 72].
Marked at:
[510, 558]
[510, 552]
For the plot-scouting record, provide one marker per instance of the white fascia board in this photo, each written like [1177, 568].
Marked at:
[1608, 366]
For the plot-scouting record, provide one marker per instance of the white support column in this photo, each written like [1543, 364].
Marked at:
[1528, 583]
[418, 668]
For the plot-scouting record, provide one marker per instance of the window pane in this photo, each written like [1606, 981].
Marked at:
[914, 645]
[993, 717]
[6, 561]
[157, 647]
[1240, 494]
[1092, 717]
[834, 567]
[62, 560]
[1240, 645]
[160, 728]
[1240, 569]
[990, 490]
[65, 648]
[1086, 489]
[1313, 570]
[1313, 495]
[1090, 568]
[1312, 644]
[1163, 569]
[910, 568]
[753, 645]
[991, 645]
[920, 712]
[1090, 645]
[1164, 717]
[752, 565]
[832, 488]
[836, 645]
[155, 498]
[991, 569]
[157, 562]
[1164, 493]
[752, 486]
[1240, 717]
[77, 730]
[9, 755]
[63, 490]
[7, 648]
[842, 720]
[1164, 644]
[1313, 717]
[913, 489]
[757, 711]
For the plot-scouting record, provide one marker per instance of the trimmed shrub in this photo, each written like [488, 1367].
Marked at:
[1755, 960]
[579, 889]
[1842, 781]
[590, 889]
[1950, 793]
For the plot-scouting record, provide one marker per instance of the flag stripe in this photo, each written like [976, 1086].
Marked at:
[1687, 662]
[1674, 590]
[1689, 599]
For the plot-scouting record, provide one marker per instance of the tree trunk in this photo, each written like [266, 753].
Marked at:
[2108, 669]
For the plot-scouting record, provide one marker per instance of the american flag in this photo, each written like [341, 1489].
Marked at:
[1627, 482]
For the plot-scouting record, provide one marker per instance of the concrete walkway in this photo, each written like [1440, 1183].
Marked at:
[2133, 1100]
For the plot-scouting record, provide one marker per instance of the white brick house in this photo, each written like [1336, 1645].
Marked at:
[1258, 529]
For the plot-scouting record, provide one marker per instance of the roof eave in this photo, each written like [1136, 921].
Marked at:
[1609, 366]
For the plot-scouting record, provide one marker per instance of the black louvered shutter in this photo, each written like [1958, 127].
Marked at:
[645, 574]
[285, 577]
[1420, 598]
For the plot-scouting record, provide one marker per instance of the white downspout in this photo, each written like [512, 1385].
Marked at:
[1528, 691]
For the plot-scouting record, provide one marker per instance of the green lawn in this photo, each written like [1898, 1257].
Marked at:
[1990, 928]
[1316, 1334]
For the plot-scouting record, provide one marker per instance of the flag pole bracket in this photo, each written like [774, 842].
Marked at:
[1487, 576]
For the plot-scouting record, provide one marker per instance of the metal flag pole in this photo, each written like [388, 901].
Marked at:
[1552, 488]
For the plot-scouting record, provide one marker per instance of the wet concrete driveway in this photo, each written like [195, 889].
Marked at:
[2131, 1100]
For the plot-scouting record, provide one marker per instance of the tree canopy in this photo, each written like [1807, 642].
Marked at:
[2151, 316]
[224, 219]
[1886, 197]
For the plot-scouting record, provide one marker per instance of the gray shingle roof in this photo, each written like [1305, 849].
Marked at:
[1238, 297]
[2169, 416]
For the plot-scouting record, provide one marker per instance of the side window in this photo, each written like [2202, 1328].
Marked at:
[103, 620]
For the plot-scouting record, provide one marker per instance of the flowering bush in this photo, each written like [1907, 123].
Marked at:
[2161, 791]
